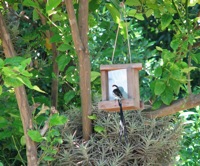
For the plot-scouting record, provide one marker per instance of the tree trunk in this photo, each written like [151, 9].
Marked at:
[25, 112]
[55, 71]
[80, 39]
[54, 86]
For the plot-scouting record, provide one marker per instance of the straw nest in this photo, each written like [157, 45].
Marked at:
[151, 142]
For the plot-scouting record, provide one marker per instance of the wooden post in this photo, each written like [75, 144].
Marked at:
[136, 87]
[104, 83]
[130, 82]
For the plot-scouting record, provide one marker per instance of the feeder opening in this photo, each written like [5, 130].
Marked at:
[119, 78]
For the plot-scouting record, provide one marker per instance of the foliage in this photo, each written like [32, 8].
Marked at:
[156, 140]
[189, 153]
[49, 143]
[97, 128]
[163, 36]
[14, 73]
[11, 131]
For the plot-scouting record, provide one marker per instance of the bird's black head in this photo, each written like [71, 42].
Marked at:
[115, 86]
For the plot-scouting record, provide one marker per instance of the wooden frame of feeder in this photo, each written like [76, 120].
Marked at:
[133, 101]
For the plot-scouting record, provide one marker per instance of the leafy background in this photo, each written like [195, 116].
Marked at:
[163, 35]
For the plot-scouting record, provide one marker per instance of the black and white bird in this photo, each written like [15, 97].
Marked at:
[117, 93]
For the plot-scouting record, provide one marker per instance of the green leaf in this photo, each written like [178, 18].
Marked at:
[23, 141]
[22, 71]
[57, 140]
[64, 47]
[99, 129]
[196, 57]
[35, 15]
[94, 75]
[123, 26]
[159, 48]
[158, 72]
[1, 164]
[175, 44]
[62, 61]
[132, 12]
[10, 81]
[57, 119]
[114, 13]
[167, 55]
[53, 132]
[167, 96]
[193, 2]
[139, 16]
[35, 135]
[72, 75]
[159, 87]
[5, 134]
[133, 3]
[157, 104]
[149, 13]
[30, 3]
[52, 4]
[1, 90]
[56, 38]
[175, 71]
[1, 63]
[182, 65]
[188, 69]
[38, 89]
[152, 85]
[166, 19]
[25, 62]
[8, 72]
[59, 17]
[14, 61]
[93, 117]
[69, 96]
[48, 158]
[25, 81]
[175, 85]
[3, 122]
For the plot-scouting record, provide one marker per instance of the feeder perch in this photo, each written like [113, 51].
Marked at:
[126, 76]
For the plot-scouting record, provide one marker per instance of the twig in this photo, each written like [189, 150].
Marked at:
[18, 151]
[178, 12]
[46, 126]
[188, 75]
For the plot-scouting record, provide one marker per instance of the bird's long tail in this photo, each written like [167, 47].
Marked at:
[122, 123]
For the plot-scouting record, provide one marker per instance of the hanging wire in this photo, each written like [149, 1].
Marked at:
[126, 24]
[115, 43]
[122, 5]
[128, 41]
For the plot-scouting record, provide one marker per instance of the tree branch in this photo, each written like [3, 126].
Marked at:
[54, 85]
[179, 105]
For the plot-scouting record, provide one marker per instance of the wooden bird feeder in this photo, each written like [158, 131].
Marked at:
[126, 76]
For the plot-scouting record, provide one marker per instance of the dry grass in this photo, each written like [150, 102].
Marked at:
[151, 142]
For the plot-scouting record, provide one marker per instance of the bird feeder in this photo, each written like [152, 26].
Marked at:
[126, 77]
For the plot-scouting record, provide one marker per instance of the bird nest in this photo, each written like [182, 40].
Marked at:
[151, 142]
